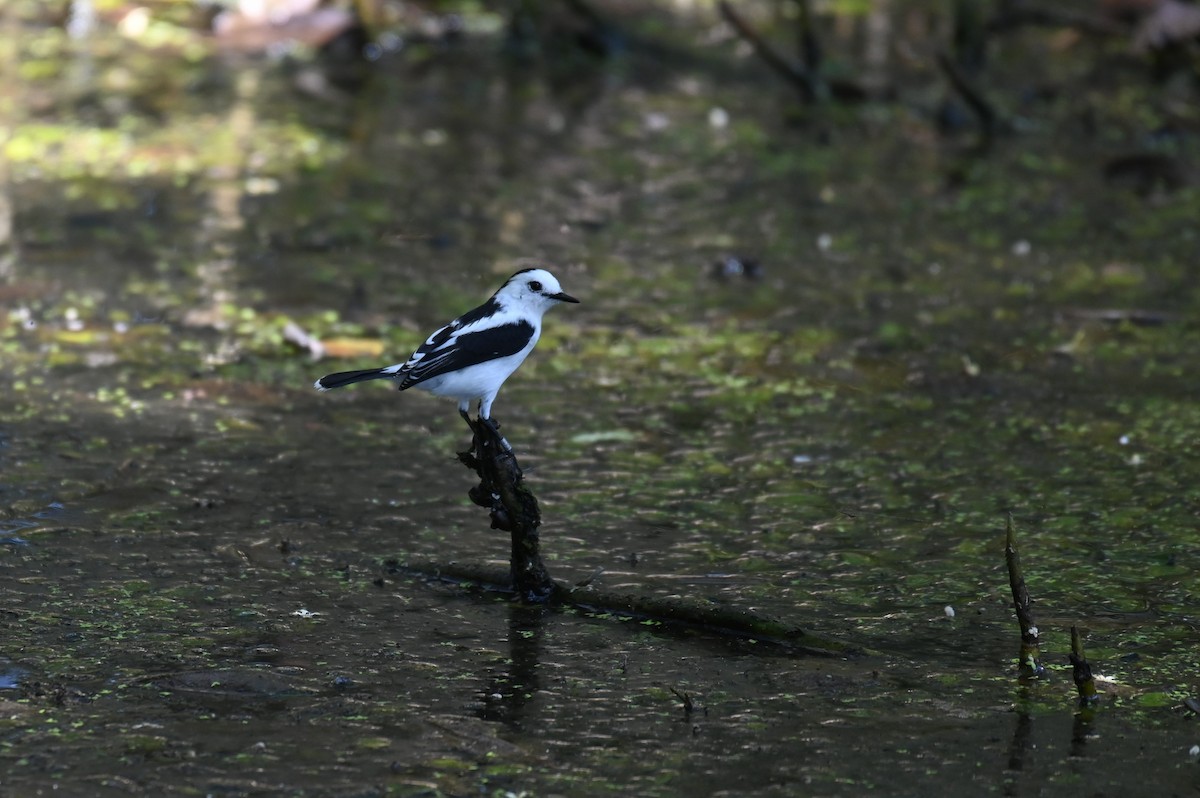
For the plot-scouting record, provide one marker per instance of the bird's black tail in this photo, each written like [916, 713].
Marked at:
[342, 378]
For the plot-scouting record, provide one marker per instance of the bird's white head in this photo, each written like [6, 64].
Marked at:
[533, 290]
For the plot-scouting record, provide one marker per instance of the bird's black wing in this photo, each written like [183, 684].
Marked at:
[446, 351]
[440, 337]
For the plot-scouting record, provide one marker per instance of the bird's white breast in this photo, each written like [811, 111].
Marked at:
[479, 380]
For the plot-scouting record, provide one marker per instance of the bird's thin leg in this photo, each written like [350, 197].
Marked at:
[462, 411]
[495, 427]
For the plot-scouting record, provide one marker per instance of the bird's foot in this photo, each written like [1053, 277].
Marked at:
[494, 425]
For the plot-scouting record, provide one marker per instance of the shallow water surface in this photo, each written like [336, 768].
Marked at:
[196, 571]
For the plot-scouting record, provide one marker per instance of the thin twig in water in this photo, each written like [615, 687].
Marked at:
[1081, 670]
[589, 579]
[686, 699]
[1028, 662]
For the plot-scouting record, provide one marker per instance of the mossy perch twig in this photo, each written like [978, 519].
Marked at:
[1028, 663]
[513, 508]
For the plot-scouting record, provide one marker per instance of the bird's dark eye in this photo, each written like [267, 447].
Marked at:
[534, 285]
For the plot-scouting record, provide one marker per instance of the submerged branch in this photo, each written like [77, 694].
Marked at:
[989, 120]
[724, 620]
[668, 611]
[514, 509]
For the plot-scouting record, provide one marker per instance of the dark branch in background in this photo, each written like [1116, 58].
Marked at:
[601, 37]
[809, 46]
[804, 81]
[536, 26]
[970, 38]
[1014, 14]
[989, 121]
[588, 13]
[1028, 664]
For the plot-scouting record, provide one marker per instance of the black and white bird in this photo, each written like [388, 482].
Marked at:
[471, 357]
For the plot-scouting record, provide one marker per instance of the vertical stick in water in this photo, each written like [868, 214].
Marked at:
[1028, 664]
[1081, 670]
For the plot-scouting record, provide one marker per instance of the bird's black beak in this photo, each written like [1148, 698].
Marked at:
[564, 297]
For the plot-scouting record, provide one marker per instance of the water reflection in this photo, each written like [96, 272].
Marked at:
[511, 692]
[1018, 747]
[1032, 742]
[53, 511]
[10, 675]
[1082, 731]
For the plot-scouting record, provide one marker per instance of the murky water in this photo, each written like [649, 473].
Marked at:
[196, 590]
